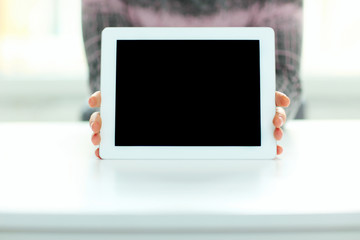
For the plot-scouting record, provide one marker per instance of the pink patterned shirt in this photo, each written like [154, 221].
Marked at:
[284, 16]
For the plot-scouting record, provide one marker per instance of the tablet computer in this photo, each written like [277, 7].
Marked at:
[187, 93]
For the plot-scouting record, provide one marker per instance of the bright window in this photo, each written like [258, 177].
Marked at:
[331, 46]
[41, 40]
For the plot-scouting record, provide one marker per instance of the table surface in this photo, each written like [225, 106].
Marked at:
[50, 178]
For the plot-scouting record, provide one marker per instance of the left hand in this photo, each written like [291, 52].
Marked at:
[279, 120]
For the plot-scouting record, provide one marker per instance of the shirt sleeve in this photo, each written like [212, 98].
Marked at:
[97, 15]
[286, 18]
[288, 56]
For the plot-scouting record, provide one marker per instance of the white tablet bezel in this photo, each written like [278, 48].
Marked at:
[267, 150]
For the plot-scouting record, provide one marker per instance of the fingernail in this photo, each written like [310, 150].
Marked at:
[281, 121]
[93, 125]
[91, 101]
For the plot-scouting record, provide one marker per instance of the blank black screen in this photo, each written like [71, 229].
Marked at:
[187, 93]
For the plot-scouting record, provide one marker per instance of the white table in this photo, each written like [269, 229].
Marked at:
[52, 187]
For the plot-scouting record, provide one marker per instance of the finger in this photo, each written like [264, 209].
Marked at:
[95, 122]
[278, 134]
[281, 99]
[97, 153]
[95, 99]
[280, 117]
[279, 150]
[96, 139]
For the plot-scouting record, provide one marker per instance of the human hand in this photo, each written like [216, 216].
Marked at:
[95, 120]
[281, 101]
[279, 120]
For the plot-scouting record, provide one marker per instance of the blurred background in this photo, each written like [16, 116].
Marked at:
[43, 70]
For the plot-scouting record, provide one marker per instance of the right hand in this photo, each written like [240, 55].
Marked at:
[95, 120]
